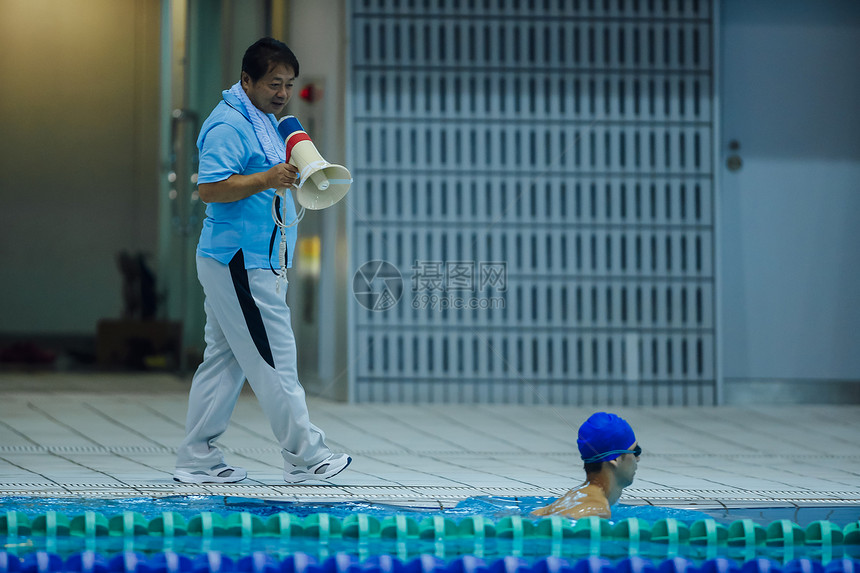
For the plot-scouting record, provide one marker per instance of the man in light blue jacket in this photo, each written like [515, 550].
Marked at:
[248, 331]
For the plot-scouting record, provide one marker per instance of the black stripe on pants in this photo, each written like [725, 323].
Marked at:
[253, 318]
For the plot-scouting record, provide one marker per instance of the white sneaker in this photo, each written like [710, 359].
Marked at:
[329, 467]
[222, 473]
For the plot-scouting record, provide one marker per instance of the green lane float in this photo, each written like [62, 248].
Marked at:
[285, 526]
[708, 533]
[51, 524]
[207, 524]
[90, 524]
[245, 525]
[439, 534]
[168, 524]
[15, 524]
[784, 533]
[746, 533]
[128, 524]
[437, 528]
[322, 526]
[632, 530]
[398, 527]
[361, 527]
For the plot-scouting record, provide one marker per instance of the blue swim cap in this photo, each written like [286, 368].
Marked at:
[603, 436]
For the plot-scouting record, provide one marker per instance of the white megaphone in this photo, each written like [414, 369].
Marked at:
[321, 184]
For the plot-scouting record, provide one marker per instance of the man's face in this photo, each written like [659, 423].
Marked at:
[270, 93]
[625, 468]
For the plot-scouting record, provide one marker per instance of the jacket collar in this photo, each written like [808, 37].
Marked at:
[231, 100]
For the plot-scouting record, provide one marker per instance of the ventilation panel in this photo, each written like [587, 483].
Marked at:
[538, 178]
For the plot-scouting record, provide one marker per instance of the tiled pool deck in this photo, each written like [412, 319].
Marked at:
[112, 436]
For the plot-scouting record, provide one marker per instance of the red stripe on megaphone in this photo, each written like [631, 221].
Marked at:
[293, 139]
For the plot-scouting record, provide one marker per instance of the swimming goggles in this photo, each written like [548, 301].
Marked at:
[637, 451]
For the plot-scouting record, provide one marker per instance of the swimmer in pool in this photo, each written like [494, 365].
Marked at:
[610, 452]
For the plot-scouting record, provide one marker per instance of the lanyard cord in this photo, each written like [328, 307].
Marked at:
[280, 223]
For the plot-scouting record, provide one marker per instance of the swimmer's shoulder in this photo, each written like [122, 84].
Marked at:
[584, 501]
[592, 502]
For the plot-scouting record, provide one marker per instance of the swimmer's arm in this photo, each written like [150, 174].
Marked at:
[237, 187]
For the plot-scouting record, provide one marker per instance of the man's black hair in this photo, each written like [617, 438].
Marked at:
[266, 53]
[593, 468]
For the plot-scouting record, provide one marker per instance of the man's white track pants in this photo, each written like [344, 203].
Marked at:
[248, 335]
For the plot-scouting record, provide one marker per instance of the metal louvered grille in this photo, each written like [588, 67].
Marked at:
[538, 175]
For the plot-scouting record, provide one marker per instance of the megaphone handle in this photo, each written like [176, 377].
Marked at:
[297, 183]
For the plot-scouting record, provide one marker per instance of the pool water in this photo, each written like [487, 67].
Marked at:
[493, 507]
[490, 529]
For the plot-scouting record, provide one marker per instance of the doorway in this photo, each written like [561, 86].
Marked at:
[790, 199]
